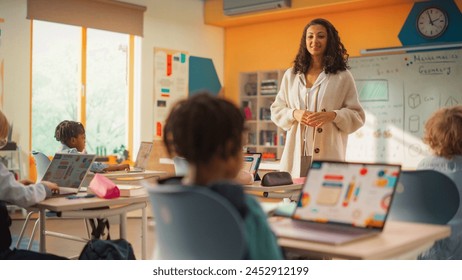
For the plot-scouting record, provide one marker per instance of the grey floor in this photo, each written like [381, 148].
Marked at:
[70, 248]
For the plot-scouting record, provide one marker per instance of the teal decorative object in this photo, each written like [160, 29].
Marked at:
[203, 76]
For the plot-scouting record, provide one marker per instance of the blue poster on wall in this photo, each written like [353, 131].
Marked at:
[203, 76]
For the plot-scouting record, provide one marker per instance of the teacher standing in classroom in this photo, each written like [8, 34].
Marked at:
[317, 103]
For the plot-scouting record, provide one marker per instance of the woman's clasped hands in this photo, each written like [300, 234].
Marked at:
[314, 119]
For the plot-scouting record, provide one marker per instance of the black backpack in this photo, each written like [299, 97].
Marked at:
[98, 249]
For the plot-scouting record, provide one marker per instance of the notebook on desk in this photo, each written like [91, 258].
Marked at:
[341, 202]
[142, 159]
[68, 171]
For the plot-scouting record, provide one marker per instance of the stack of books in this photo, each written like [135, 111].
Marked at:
[269, 87]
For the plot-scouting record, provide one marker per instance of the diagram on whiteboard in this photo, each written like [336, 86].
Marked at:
[399, 93]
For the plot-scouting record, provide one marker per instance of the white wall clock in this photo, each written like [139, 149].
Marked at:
[432, 22]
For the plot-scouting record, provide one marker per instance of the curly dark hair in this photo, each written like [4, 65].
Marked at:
[203, 126]
[443, 131]
[68, 129]
[335, 58]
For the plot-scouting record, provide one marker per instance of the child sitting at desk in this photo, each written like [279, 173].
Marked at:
[71, 134]
[443, 131]
[208, 132]
[23, 194]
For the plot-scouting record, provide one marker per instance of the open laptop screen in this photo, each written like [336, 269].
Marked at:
[252, 163]
[358, 194]
[144, 152]
[68, 170]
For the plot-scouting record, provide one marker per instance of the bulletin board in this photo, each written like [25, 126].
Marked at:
[171, 74]
[399, 93]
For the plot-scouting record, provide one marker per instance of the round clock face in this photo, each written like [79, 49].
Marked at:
[432, 22]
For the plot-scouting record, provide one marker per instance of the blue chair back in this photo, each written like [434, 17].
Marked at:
[425, 196]
[41, 163]
[456, 176]
[194, 223]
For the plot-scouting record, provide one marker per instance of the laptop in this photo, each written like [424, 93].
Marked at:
[252, 163]
[341, 202]
[142, 159]
[68, 171]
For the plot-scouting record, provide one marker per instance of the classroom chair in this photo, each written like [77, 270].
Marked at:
[194, 223]
[456, 177]
[41, 163]
[425, 196]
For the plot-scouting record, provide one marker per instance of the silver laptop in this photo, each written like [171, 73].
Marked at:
[142, 159]
[341, 202]
[68, 171]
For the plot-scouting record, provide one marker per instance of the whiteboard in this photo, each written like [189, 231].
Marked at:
[399, 93]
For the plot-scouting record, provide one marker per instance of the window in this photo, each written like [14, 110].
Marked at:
[107, 90]
[55, 81]
[76, 70]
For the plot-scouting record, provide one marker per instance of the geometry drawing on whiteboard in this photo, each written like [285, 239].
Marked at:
[414, 123]
[415, 150]
[451, 102]
[372, 90]
[414, 100]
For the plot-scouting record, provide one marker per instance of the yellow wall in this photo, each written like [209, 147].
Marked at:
[273, 44]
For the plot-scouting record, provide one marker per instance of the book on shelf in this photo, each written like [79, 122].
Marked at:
[265, 114]
[269, 87]
[130, 190]
[268, 138]
[251, 138]
[268, 91]
[247, 109]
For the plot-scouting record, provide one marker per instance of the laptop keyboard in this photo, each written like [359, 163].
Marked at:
[328, 227]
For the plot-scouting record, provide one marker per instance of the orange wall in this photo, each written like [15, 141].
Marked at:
[273, 45]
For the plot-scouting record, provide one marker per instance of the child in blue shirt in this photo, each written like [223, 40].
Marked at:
[208, 132]
[71, 134]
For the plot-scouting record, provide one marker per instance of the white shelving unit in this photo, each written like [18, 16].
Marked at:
[257, 92]
[12, 160]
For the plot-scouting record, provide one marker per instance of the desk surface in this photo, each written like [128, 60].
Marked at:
[127, 177]
[399, 240]
[256, 186]
[59, 204]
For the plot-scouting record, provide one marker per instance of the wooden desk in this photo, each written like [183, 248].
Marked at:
[75, 208]
[399, 240]
[134, 175]
[123, 177]
[285, 191]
